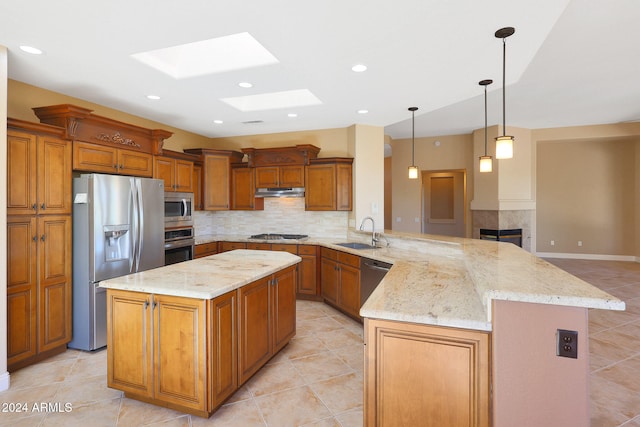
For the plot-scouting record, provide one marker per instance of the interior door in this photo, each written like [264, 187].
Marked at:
[444, 201]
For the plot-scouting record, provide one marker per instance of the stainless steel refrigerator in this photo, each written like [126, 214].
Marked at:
[118, 229]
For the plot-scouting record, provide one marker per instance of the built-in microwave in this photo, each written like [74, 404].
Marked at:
[178, 209]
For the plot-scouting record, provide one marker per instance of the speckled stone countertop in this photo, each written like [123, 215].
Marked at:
[450, 281]
[208, 277]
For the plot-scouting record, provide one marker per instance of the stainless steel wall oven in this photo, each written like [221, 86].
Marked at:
[178, 245]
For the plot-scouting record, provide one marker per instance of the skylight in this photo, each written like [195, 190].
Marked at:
[228, 53]
[273, 101]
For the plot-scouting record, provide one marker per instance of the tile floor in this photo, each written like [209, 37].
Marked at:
[317, 379]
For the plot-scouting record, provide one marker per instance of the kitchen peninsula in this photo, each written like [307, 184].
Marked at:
[187, 336]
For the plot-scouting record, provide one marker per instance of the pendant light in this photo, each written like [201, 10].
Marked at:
[504, 143]
[486, 162]
[413, 169]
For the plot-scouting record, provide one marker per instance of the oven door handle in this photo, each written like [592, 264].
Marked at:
[180, 243]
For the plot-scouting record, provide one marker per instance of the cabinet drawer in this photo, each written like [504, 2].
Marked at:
[259, 246]
[229, 246]
[352, 260]
[206, 249]
[306, 249]
[285, 247]
[329, 253]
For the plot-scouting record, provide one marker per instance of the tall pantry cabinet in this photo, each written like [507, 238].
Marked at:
[38, 242]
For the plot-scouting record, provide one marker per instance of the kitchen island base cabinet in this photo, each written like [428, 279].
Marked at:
[192, 354]
[425, 375]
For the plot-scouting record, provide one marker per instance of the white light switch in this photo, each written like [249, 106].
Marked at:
[398, 219]
[374, 207]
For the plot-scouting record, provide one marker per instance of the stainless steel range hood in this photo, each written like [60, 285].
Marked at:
[280, 192]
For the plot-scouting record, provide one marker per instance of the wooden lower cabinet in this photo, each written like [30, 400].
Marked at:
[425, 375]
[38, 287]
[192, 354]
[340, 280]
[157, 348]
[230, 246]
[205, 249]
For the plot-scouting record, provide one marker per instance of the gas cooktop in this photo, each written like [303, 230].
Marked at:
[273, 236]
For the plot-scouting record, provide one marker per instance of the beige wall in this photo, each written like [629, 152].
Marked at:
[455, 152]
[24, 97]
[588, 191]
[531, 385]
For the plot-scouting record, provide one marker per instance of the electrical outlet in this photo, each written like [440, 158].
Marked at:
[553, 243]
[579, 242]
[567, 343]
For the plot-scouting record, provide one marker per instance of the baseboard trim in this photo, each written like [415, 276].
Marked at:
[4, 381]
[599, 257]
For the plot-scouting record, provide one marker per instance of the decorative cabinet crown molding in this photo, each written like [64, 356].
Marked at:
[281, 156]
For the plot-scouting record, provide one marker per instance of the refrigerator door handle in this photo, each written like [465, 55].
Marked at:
[134, 227]
[140, 231]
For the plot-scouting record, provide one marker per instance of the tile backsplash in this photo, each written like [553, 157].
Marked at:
[280, 215]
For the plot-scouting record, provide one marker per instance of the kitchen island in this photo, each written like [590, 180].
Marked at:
[466, 331]
[187, 336]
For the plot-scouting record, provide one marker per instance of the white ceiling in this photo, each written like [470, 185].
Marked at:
[569, 62]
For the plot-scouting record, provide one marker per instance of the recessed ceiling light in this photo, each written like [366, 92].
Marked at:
[292, 115]
[218, 122]
[153, 97]
[233, 52]
[359, 68]
[245, 84]
[32, 50]
[273, 100]
[363, 111]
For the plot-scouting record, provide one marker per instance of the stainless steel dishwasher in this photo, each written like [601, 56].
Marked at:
[371, 273]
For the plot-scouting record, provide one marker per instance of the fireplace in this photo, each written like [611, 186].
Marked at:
[513, 235]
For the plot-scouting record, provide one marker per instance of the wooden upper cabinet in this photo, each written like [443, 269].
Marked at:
[197, 187]
[279, 176]
[38, 174]
[216, 171]
[99, 158]
[176, 173]
[329, 185]
[243, 189]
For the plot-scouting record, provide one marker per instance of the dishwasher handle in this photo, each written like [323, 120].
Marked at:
[376, 266]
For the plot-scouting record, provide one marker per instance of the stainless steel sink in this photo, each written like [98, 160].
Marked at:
[355, 245]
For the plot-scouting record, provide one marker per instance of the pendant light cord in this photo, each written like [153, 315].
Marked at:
[413, 137]
[504, 89]
[485, 120]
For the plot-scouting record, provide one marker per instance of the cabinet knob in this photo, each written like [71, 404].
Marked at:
[35, 238]
[35, 206]
[146, 304]
[115, 166]
[43, 206]
[121, 167]
[42, 237]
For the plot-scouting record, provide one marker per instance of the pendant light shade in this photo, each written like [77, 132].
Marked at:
[486, 162]
[413, 169]
[504, 143]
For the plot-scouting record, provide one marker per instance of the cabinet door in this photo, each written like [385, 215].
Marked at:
[343, 187]
[54, 176]
[135, 163]
[242, 189]
[216, 185]
[21, 173]
[223, 365]
[291, 176]
[349, 289]
[307, 277]
[229, 246]
[197, 187]
[329, 280]
[267, 176]
[320, 191]
[94, 158]
[129, 334]
[180, 350]
[164, 169]
[284, 307]
[184, 176]
[254, 326]
[21, 288]
[54, 282]
[425, 375]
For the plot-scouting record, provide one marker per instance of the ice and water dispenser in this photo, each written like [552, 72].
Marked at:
[117, 242]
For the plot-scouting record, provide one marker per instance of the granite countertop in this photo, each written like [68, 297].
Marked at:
[208, 277]
[451, 281]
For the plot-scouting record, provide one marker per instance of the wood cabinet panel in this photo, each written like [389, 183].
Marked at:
[21, 173]
[197, 187]
[205, 249]
[54, 176]
[184, 176]
[94, 158]
[223, 368]
[180, 351]
[229, 246]
[329, 185]
[216, 188]
[421, 374]
[291, 176]
[329, 278]
[308, 271]
[135, 163]
[259, 246]
[22, 325]
[129, 342]
[164, 169]
[284, 307]
[340, 280]
[349, 290]
[285, 247]
[266, 176]
[177, 174]
[254, 325]
[243, 190]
